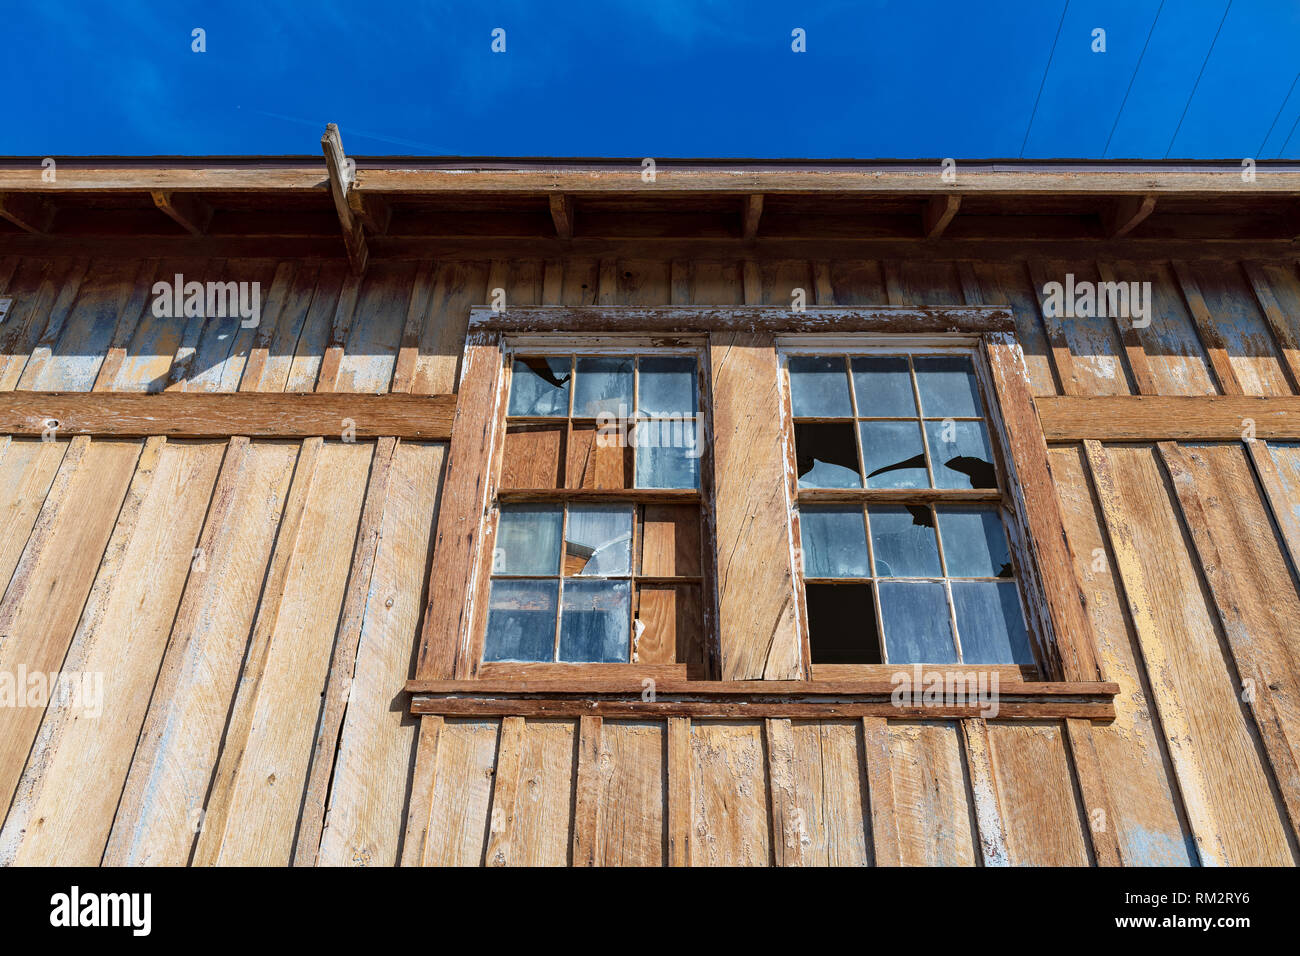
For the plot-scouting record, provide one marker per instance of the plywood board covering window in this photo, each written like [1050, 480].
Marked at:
[904, 555]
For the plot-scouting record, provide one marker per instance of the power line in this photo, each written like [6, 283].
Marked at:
[1288, 137]
[1046, 70]
[1124, 102]
[1198, 79]
[1281, 107]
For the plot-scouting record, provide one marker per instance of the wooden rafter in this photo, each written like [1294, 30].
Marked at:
[1124, 214]
[562, 215]
[354, 238]
[375, 212]
[753, 213]
[30, 213]
[186, 209]
[939, 212]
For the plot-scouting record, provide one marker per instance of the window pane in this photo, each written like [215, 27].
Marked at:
[826, 456]
[669, 465]
[947, 386]
[893, 455]
[528, 540]
[884, 387]
[990, 622]
[959, 452]
[842, 624]
[598, 540]
[904, 543]
[521, 621]
[595, 621]
[917, 628]
[603, 385]
[667, 387]
[819, 387]
[974, 542]
[834, 542]
[540, 386]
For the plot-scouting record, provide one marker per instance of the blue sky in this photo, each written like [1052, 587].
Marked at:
[663, 78]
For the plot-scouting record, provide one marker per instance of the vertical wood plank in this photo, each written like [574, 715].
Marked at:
[1056, 602]
[1215, 348]
[988, 814]
[681, 792]
[787, 829]
[505, 791]
[1234, 541]
[880, 787]
[756, 600]
[586, 807]
[1098, 808]
[423, 780]
[454, 575]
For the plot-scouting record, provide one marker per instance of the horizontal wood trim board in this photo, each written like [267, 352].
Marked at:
[1022, 708]
[686, 319]
[588, 688]
[220, 415]
[1168, 418]
[474, 249]
[597, 177]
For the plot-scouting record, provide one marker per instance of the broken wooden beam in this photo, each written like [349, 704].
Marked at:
[341, 178]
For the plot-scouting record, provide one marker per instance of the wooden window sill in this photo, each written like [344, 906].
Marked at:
[622, 696]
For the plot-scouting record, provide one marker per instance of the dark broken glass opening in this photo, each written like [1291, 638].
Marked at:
[826, 455]
[842, 624]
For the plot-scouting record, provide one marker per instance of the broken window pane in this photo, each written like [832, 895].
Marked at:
[884, 387]
[521, 621]
[991, 623]
[603, 385]
[540, 386]
[893, 455]
[974, 542]
[834, 542]
[842, 624]
[819, 387]
[960, 454]
[528, 540]
[917, 627]
[595, 621]
[826, 455]
[598, 540]
[902, 538]
[947, 386]
[667, 387]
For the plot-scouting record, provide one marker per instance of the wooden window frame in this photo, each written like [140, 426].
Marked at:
[868, 344]
[1052, 597]
[578, 346]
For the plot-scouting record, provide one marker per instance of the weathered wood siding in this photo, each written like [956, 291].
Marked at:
[253, 606]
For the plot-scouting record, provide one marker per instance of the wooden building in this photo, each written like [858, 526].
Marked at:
[377, 570]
